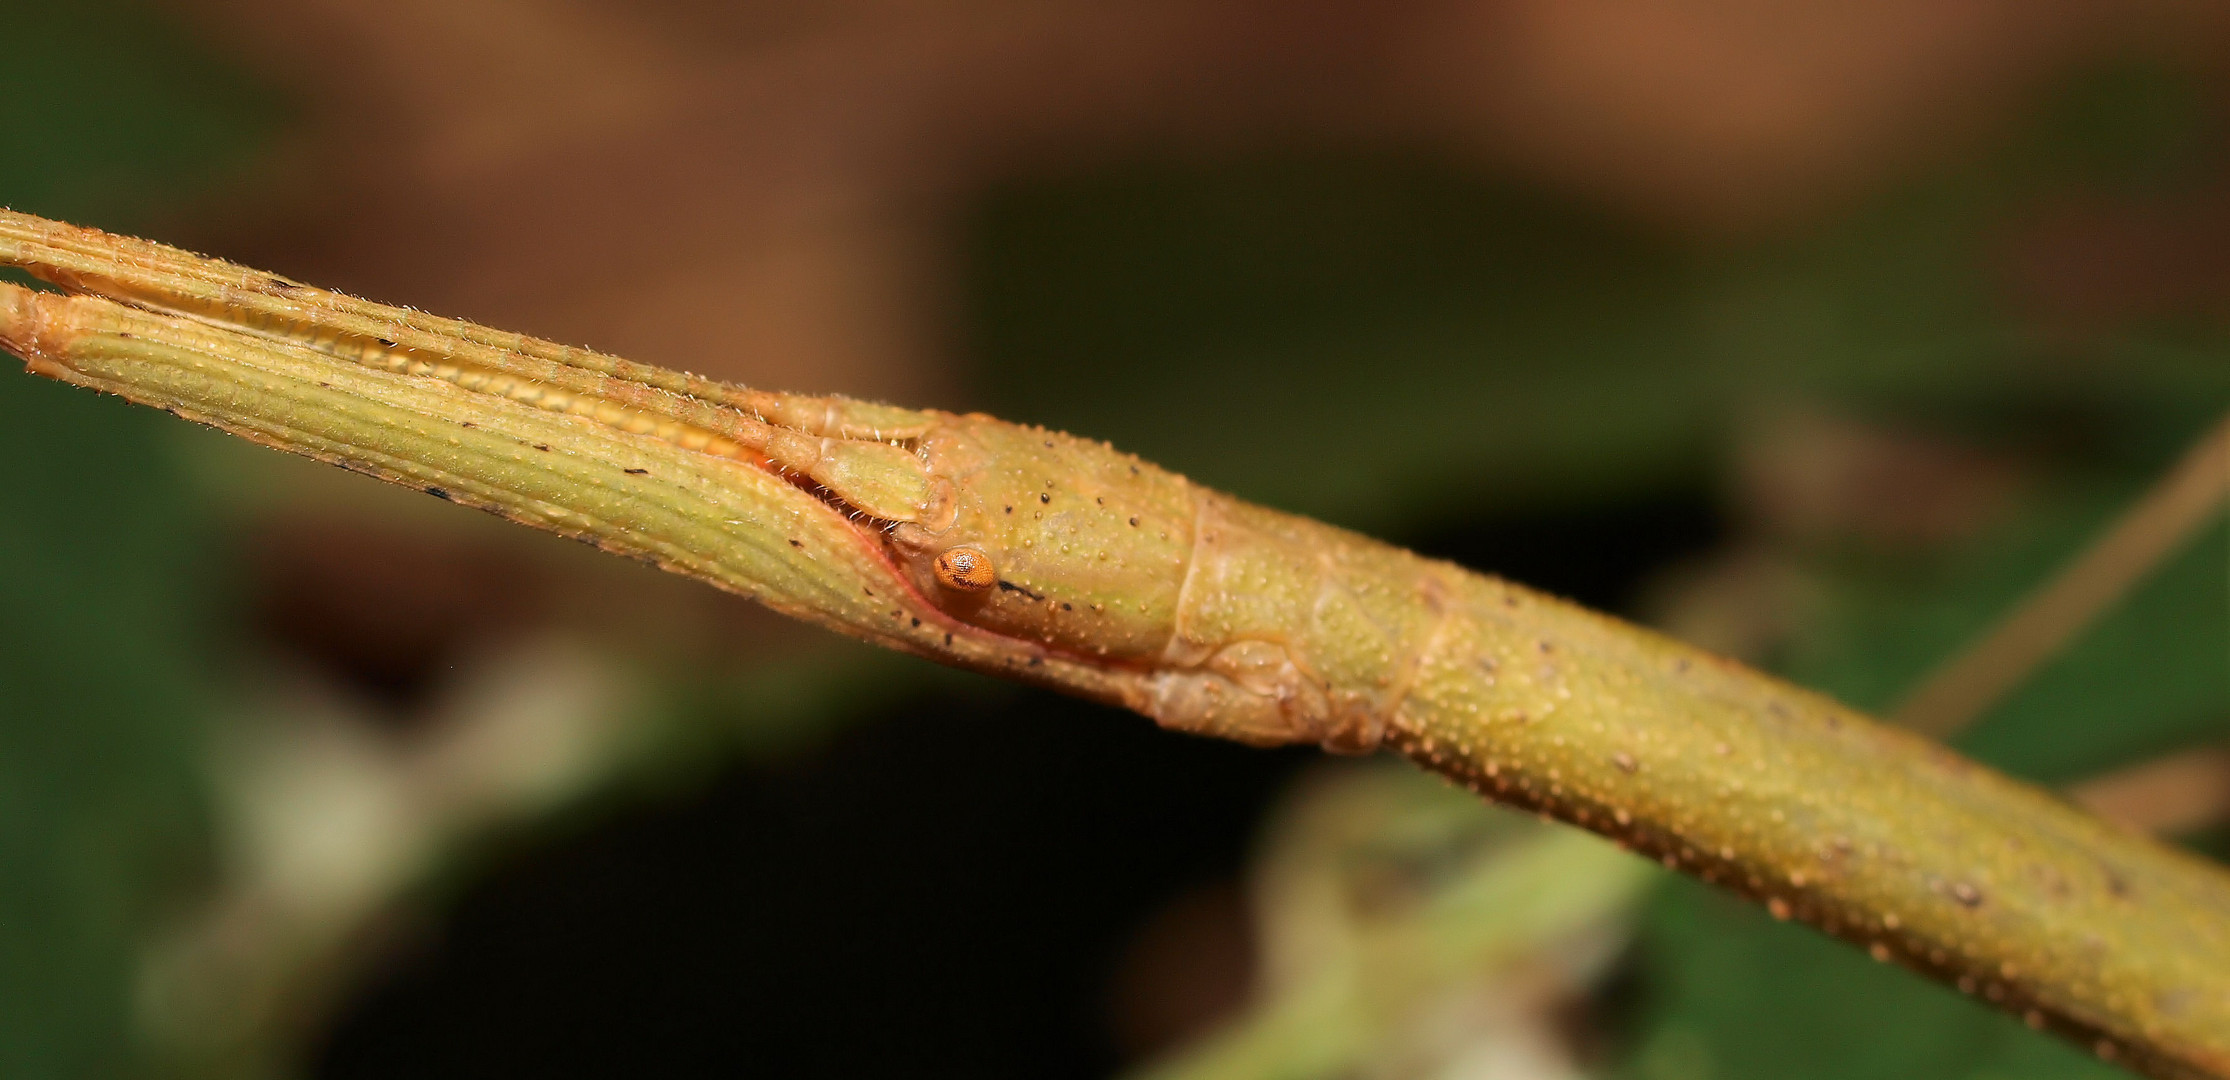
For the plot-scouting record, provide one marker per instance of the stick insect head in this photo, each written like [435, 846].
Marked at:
[1051, 539]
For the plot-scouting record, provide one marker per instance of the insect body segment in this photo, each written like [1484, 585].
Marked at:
[1052, 514]
[1075, 546]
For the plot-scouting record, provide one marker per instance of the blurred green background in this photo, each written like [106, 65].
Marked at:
[302, 777]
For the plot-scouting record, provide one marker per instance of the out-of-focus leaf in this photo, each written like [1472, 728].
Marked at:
[99, 804]
[1739, 995]
[101, 564]
[1733, 994]
[1362, 340]
[111, 109]
[1376, 340]
[2149, 676]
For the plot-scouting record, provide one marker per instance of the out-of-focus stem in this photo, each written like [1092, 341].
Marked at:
[2173, 794]
[2183, 500]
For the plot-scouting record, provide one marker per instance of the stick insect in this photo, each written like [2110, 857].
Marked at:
[1056, 560]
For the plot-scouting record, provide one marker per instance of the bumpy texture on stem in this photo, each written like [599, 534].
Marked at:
[1119, 581]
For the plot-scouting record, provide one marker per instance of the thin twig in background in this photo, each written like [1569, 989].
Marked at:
[2174, 794]
[1976, 679]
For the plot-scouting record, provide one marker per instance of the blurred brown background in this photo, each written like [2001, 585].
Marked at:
[614, 172]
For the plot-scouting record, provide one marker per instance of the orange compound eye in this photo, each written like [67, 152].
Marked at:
[966, 569]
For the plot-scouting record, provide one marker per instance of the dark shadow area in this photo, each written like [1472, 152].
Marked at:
[939, 893]
[1601, 555]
